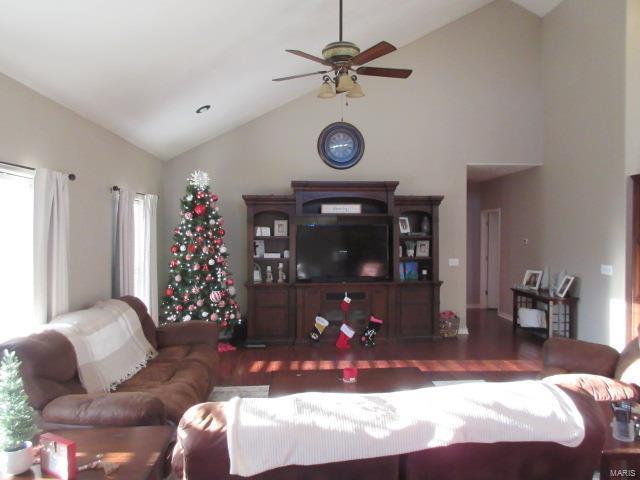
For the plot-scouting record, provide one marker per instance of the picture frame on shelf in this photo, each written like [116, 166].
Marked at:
[532, 279]
[280, 228]
[257, 273]
[411, 270]
[422, 248]
[404, 225]
[263, 231]
[258, 248]
[565, 285]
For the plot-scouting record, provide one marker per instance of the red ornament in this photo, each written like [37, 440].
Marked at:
[221, 222]
[173, 263]
[176, 230]
[220, 259]
[230, 281]
[179, 308]
[200, 195]
[199, 240]
[221, 303]
[199, 229]
[196, 267]
[205, 268]
[188, 257]
[214, 197]
[221, 232]
[218, 241]
[224, 324]
[216, 296]
[214, 317]
[208, 278]
[191, 248]
[174, 249]
[168, 292]
[199, 209]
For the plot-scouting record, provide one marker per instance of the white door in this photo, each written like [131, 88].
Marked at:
[490, 258]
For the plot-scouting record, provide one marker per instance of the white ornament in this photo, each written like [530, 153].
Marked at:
[232, 290]
[183, 248]
[232, 316]
[178, 278]
[186, 318]
[212, 222]
[204, 314]
[212, 261]
[223, 249]
[189, 197]
[199, 179]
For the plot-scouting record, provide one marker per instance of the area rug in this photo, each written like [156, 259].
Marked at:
[444, 383]
[222, 394]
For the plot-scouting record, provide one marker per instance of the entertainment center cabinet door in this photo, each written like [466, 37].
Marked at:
[270, 320]
[415, 311]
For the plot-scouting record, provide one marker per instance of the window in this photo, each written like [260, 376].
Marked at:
[139, 272]
[16, 245]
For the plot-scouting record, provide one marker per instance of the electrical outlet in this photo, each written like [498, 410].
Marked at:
[525, 241]
[606, 270]
[454, 262]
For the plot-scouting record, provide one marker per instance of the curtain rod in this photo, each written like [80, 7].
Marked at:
[116, 188]
[72, 176]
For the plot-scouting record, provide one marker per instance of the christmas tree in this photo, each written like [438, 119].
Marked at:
[200, 285]
[17, 418]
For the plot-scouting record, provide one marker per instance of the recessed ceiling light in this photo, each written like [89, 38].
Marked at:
[203, 108]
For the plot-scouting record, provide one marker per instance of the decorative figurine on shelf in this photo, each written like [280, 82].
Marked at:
[257, 274]
[411, 248]
[425, 226]
[269, 276]
[281, 275]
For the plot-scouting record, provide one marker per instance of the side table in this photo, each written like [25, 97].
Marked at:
[140, 452]
[618, 456]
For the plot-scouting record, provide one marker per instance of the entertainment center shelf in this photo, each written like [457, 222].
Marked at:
[385, 258]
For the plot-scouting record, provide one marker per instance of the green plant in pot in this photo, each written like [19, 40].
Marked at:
[17, 418]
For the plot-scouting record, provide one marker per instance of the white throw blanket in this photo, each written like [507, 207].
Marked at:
[317, 428]
[109, 343]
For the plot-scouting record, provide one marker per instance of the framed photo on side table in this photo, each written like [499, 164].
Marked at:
[532, 279]
[403, 223]
[565, 285]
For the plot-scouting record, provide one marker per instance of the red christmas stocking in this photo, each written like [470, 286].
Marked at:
[345, 304]
[346, 333]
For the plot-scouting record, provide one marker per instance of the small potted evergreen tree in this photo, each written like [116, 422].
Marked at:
[17, 425]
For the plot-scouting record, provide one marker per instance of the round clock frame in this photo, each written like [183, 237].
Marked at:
[344, 155]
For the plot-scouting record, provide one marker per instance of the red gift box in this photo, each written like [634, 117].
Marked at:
[350, 375]
[58, 456]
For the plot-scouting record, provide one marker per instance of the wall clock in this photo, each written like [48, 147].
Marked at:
[340, 145]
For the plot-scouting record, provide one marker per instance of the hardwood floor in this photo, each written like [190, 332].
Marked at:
[490, 352]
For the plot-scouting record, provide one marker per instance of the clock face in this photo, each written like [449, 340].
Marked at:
[341, 145]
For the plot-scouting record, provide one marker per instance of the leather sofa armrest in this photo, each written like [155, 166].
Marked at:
[577, 356]
[188, 333]
[119, 409]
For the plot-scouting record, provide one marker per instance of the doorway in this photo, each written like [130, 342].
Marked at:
[490, 258]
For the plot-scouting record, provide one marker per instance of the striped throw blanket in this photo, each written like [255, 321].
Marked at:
[316, 428]
[109, 343]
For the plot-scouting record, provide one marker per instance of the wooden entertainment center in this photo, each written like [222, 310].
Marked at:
[408, 300]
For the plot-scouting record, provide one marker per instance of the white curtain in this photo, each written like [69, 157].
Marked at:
[146, 253]
[51, 244]
[123, 279]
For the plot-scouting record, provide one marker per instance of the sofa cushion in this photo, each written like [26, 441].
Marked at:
[178, 384]
[602, 389]
[201, 353]
[628, 369]
[551, 371]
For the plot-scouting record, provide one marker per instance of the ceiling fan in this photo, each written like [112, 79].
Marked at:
[344, 57]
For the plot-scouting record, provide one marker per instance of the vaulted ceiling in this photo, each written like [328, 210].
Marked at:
[141, 68]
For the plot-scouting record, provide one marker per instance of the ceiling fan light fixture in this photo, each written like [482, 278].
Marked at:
[356, 90]
[326, 90]
[344, 83]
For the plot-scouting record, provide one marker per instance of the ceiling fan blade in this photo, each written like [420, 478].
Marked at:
[309, 57]
[300, 76]
[384, 72]
[377, 51]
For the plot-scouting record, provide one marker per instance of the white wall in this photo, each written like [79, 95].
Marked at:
[36, 132]
[474, 97]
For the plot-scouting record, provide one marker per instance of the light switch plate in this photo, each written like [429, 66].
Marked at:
[454, 262]
[606, 270]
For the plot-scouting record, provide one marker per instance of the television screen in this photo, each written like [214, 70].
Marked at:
[342, 252]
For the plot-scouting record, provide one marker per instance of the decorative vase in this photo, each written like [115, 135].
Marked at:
[18, 461]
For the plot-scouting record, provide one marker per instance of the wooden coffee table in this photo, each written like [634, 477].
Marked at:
[140, 451]
[370, 380]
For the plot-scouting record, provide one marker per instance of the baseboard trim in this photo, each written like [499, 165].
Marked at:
[506, 316]
[474, 306]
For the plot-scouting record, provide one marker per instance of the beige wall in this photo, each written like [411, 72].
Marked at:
[37, 132]
[474, 97]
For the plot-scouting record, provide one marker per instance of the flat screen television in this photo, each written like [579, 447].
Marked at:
[342, 253]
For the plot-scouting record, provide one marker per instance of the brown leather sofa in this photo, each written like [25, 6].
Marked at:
[201, 454]
[180, 376]
[598, 370]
